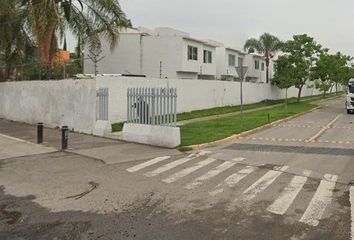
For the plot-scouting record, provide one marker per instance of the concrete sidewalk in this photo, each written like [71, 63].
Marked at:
[12, 148]
[107, 150]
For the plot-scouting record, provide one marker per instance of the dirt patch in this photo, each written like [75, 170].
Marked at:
[147, 219]
[11, 217]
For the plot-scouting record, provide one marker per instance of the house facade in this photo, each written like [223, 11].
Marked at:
[158, 53]
[170, 53]
[256, 68]
[227, 61]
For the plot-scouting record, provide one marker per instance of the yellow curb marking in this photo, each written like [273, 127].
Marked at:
[323, 130]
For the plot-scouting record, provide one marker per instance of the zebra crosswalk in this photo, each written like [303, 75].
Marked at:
[223, 173]
[320, 201]
[188, 171]
[212, 173]
[233, 179]
[287, 197]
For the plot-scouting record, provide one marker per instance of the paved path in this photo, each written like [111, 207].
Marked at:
[261, 187]
[106, 150]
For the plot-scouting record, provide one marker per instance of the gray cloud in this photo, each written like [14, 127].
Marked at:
[233, 21]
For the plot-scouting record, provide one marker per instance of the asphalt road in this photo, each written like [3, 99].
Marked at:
[292, 181]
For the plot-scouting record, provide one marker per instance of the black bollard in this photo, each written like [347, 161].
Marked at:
[40, 133]
[64, 137]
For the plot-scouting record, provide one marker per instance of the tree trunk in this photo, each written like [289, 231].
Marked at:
[299, 94]
[47, 48]
[267, 69]
[46, 22]
[286, 98]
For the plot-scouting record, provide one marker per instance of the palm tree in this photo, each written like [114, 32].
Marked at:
[14, 39]
[89, 20]
[267, 45]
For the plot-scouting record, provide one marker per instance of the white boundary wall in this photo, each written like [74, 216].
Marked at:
[192, 94]
[73, 102]
[55, 103]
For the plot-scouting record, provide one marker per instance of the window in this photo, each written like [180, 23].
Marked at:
[192, 53]
[256, 64]
[208, 56]
[262, 67]
[240, 60]
[232, 60]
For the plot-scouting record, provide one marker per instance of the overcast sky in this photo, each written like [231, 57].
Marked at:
[330, 22]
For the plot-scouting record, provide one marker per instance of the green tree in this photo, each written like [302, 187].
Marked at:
[321, 73]
[267, 45]
[341, 70]
[330, 70]
[89, 20]
[284, 75]
[302, 52]
[14, 39]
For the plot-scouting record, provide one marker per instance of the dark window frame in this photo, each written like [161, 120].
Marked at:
[207, 56]
[232, 60]
[192, 53]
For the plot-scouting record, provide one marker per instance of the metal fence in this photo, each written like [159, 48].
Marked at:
[102, 97]
[152, 106]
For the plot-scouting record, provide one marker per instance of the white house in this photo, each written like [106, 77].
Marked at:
[159, 53]
[227, 60]
[256, 68]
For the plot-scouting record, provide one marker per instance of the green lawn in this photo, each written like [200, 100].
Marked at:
[117, 127]
[230, 109]
[209, 131]
[224, 110]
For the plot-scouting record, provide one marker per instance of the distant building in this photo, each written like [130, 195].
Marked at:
[170, 53]
[227, 61]
[61, 57]
[256, 68]
[159, 53]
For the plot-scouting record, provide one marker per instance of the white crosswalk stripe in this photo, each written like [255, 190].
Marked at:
[233, 179]
[312, 215]
[352, 209]
[320, 201]
[212, 173]
[175, 163]
[261, 184]
[281, 205]
[147, 164]
[188, 171]
[169, 166]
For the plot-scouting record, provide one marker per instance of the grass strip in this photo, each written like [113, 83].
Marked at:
[230, 109]
[117, 127]
[213, 130]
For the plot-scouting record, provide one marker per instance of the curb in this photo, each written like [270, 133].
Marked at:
[249, 132]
